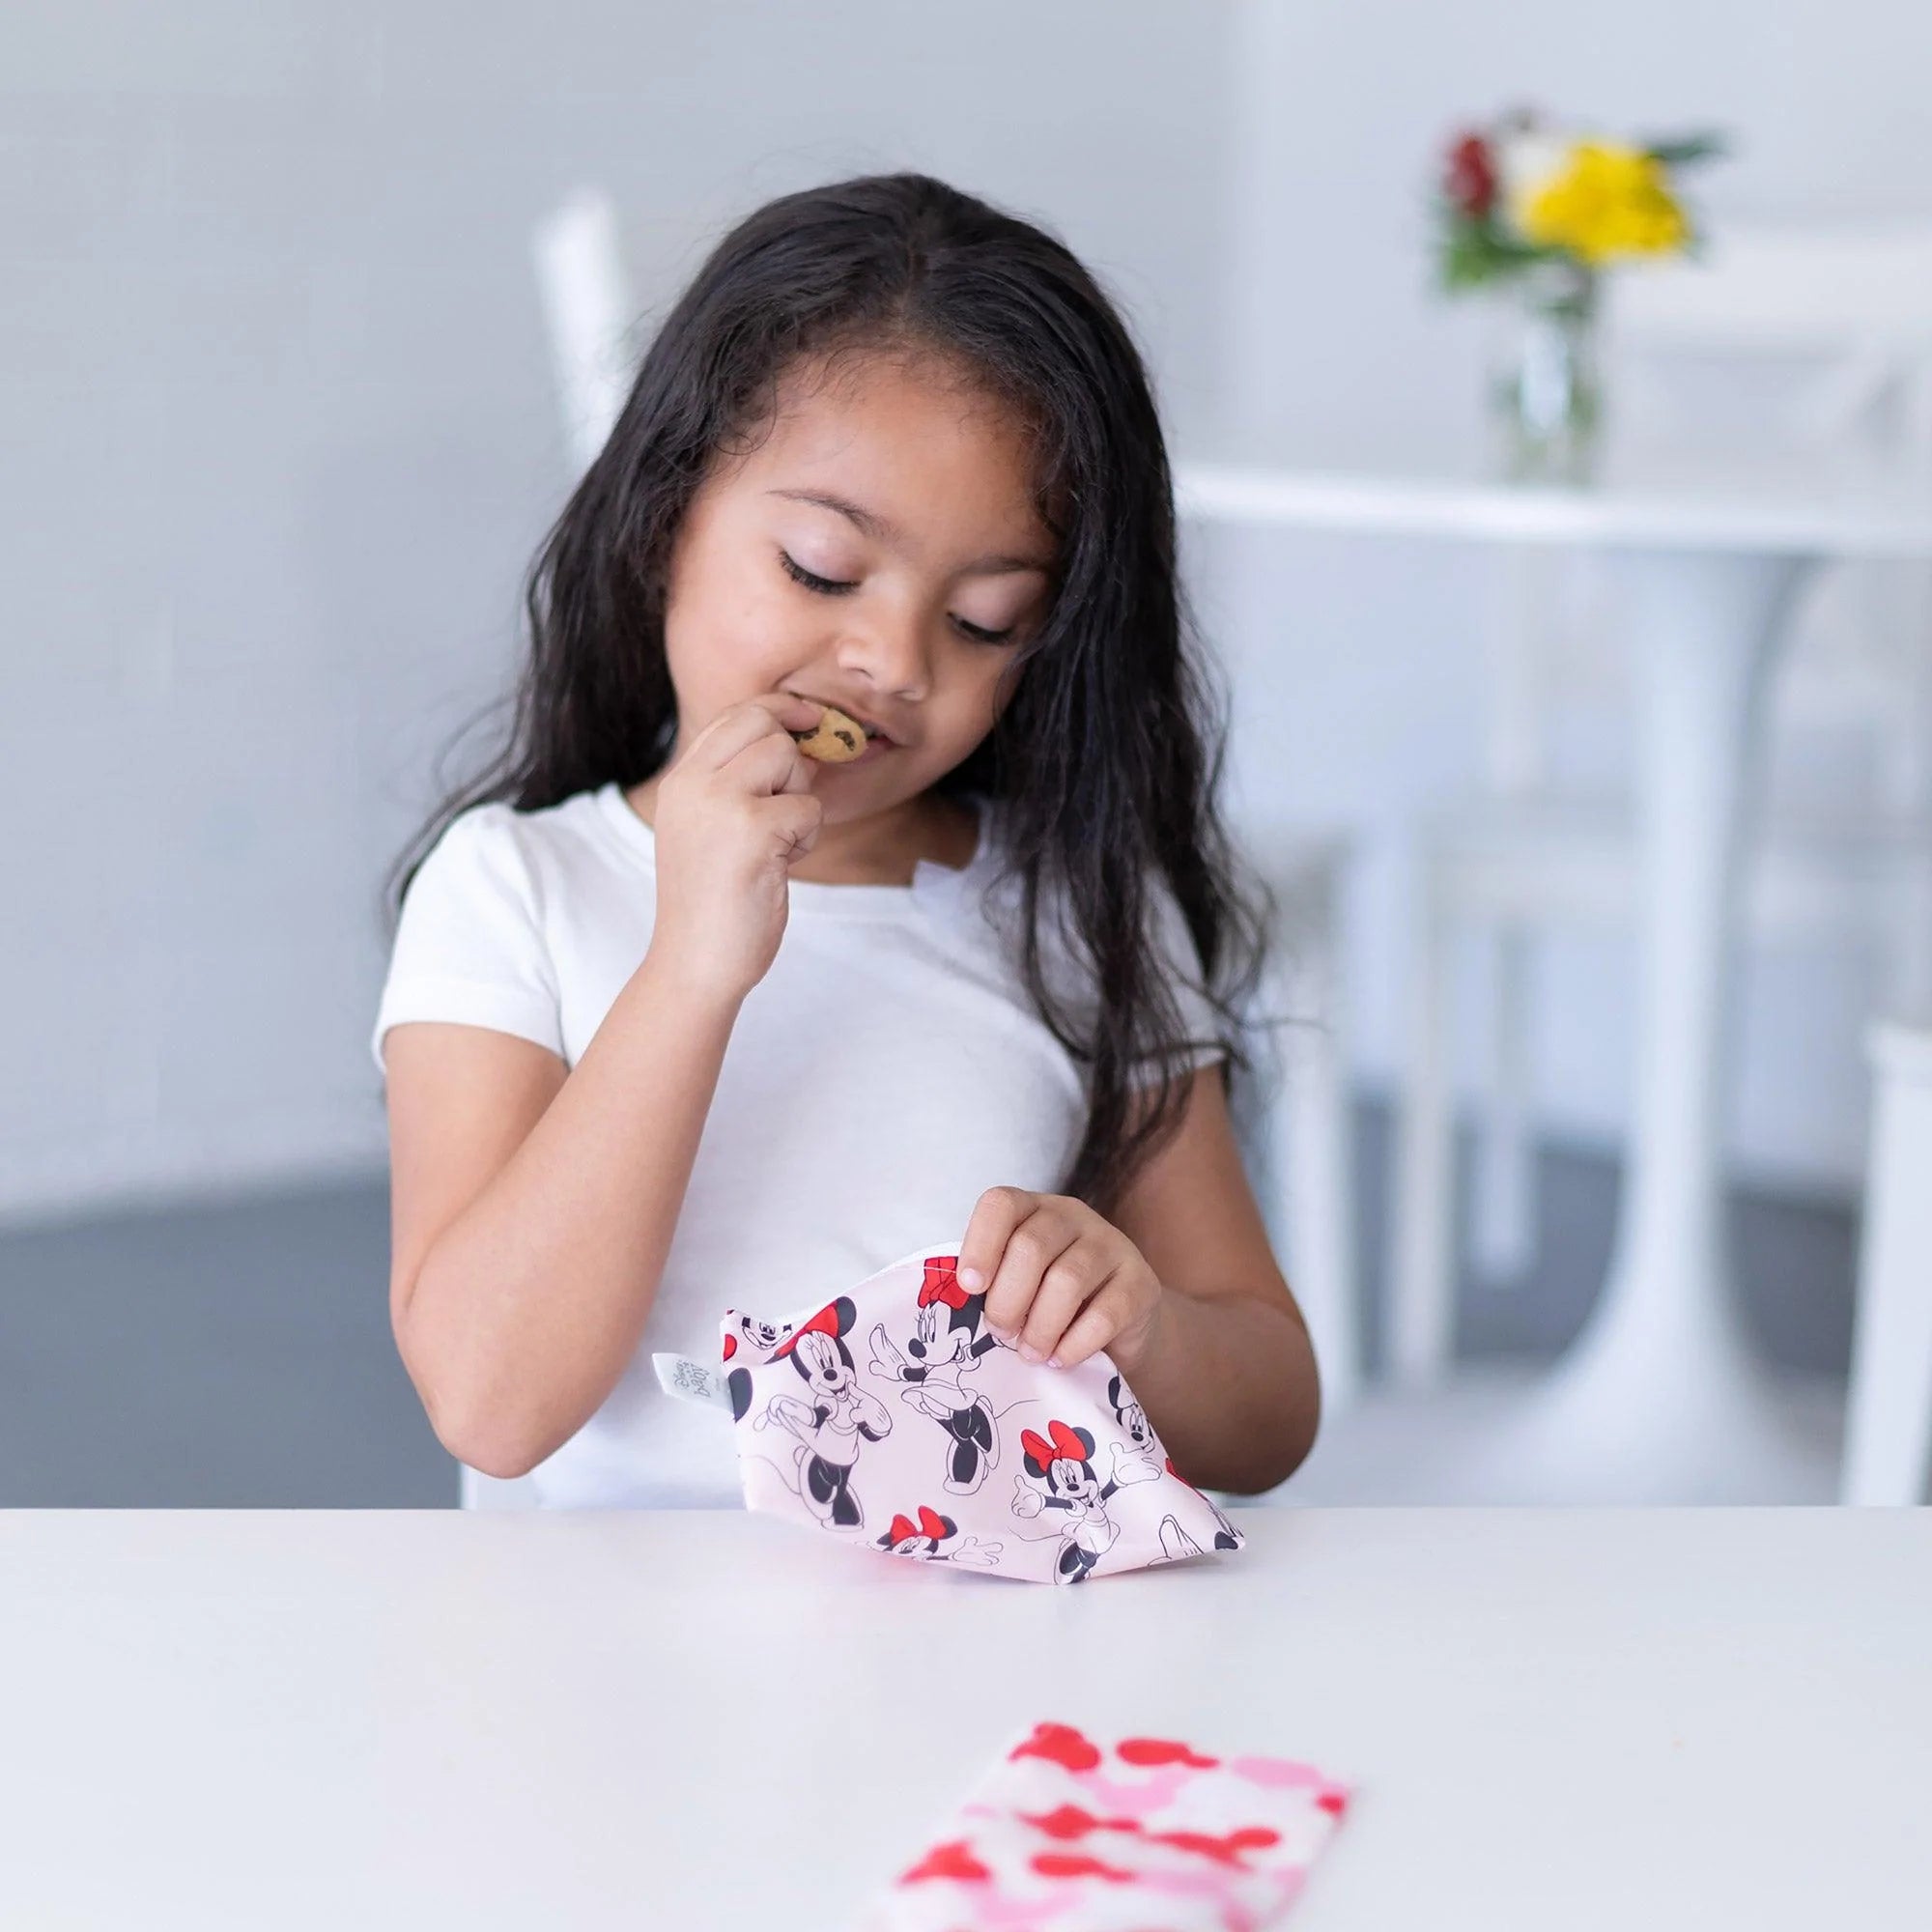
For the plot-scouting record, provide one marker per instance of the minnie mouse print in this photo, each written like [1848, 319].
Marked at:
[1091, 1464]
[1059, 1474]
[934, 1379]
[830, 1427]
[926, 1540]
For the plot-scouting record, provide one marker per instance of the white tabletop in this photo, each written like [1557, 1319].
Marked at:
[1756, 511]
[425, 1719]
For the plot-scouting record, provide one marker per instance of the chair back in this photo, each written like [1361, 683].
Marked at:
[587, 312]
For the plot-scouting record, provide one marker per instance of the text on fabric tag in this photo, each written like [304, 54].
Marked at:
[691, 1382]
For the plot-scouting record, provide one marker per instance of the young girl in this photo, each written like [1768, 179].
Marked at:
[677, 1017]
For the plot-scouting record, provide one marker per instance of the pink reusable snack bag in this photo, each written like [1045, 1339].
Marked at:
[1074, 1835]
[890, 1417]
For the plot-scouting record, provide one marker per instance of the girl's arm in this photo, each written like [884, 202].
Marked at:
[1225, 1370]
[533, 1208]
[1230, 1382]
[1183, 1290]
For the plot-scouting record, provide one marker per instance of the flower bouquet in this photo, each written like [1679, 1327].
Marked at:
[1541, 212]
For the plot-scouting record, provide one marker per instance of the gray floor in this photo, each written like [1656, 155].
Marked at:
[228, 1356]
[240, 1355]
[1798, 1258]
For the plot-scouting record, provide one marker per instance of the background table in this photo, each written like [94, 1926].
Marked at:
[1659, 1400]
[603, 1719]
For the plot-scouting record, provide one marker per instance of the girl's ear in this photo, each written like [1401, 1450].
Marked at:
[844, 1314]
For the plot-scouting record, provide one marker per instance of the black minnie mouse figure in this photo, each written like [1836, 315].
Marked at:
[1175, 1540]
[923, 1540]
[934, 1379]
[1129, 1414]
[1224, 1530]
[1059, 1474]
[830, 1427]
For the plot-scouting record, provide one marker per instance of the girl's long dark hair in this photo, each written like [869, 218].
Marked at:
[1106, 758]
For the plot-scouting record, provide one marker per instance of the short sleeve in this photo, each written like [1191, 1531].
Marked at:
[469, 942]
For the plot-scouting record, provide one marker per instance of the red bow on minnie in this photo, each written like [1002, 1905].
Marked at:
[930, 1524]
[824, 1323]
[941, 1284]
[1066, 1445]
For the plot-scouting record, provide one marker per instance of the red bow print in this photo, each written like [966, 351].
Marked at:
[931, 1524]
[1064, 1444]
[824, 1323]
[941, 1284]
[952, 1859]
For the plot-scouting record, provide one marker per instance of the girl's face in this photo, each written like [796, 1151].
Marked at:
[879, 553]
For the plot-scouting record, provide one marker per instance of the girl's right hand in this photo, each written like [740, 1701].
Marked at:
[731, 817]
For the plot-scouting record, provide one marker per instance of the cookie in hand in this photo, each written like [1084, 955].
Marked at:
[835, 740]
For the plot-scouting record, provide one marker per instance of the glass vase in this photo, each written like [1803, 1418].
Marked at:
[1546, 401]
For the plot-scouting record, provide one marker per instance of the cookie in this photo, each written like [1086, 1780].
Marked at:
[835, 739]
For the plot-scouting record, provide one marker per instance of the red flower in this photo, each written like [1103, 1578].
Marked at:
[1471, 181]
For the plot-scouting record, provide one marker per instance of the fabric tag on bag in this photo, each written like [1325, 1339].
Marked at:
[691, 1382]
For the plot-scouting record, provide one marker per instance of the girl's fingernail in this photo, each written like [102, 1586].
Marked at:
[1053, 1361]
[971, 1280]
[1028, 1352]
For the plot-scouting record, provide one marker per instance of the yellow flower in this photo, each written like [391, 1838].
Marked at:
[1606, 200]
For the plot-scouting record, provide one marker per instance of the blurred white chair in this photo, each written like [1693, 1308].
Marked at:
[1307, 1179]
[588, 309]
[1889, 1410]
[1853, 312]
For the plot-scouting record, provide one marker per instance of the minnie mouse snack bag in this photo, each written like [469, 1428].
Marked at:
[890, 1417]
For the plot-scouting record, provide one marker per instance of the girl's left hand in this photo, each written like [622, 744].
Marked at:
[1059, 1279]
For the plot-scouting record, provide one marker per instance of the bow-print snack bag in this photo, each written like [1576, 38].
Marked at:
[1069, 1833]
[890, 1416]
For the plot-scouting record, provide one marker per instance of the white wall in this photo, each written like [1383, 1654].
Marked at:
[276, 441]
[1357, 657]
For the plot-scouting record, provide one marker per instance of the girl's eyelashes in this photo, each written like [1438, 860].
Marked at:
[825, 584]
[830, 587]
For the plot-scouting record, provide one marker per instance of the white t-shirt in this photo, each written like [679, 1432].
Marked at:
[886, 1071]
